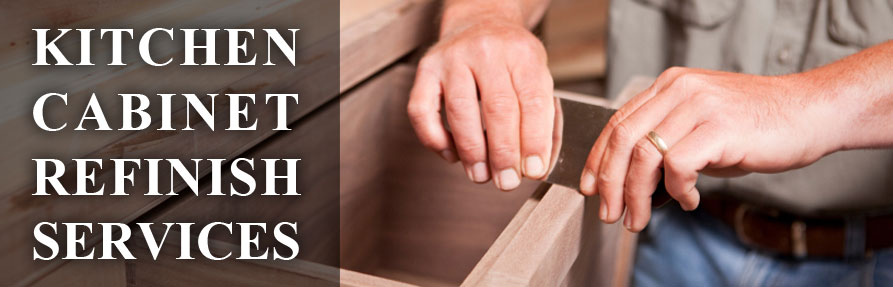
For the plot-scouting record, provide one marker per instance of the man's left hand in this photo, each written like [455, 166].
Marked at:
[718, 123]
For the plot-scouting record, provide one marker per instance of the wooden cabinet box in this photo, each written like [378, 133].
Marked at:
[427, 220]
[406, 216]
[435, 226]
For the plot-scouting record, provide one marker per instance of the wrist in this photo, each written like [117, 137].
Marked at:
[458, 15]
[824, 118]
[860, 98]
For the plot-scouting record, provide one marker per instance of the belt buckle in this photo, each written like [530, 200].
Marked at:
[798, 239]
[798, 232]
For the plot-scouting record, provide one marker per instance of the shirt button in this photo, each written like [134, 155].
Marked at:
[785, 55]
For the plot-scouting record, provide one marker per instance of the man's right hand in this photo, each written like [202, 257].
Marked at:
[494, 59]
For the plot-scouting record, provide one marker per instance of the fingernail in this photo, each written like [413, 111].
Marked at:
[603, 210]
[533, 166]
[448, 155]
[587, 183]
[508, 179]
[626, 222]
[478, 172]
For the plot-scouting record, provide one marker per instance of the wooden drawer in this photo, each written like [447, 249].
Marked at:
[407, 217]
[436, 226]
[430, 222]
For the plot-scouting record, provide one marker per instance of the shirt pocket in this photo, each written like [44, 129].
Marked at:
[699, 13]
[861, 23]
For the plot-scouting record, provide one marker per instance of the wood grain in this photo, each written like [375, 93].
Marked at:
[413, 205]
[483, 266]
[28, 82]
[545, 246]
[167, 271]
[21, 211]
[373, 41]
[19, 17]
[393, 213]
[105, 273]
[353, 11]
[314, 141]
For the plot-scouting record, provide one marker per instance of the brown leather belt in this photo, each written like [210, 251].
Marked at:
[789, 235]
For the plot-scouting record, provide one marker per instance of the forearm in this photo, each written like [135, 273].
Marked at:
[860, 88]
[458, 14]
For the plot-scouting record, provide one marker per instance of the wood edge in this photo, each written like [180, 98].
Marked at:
[554, 225]
[356, 279]
[493, 267]
[401, 25]
[295, 266]
[625, 253]
[505, 238]
[592, 100]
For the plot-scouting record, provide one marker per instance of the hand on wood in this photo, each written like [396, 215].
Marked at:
[501, 64]
[718, 123]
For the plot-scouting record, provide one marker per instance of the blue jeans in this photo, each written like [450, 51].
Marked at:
[695, 249]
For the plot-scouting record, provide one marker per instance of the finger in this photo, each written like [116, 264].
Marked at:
[502, 120]
[612, 171]
[641, 180]
[596, 154]
[464, 117]
[534, 89]
[644, 170]
[683, 161]
[424, 113]
[588, 180]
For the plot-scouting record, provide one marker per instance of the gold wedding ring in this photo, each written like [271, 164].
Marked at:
[658, 142]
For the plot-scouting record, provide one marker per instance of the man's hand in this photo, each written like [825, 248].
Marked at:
[719, 123]
[489, 57]
[728, 124]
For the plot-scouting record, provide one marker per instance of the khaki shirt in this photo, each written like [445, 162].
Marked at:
[769, 38]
